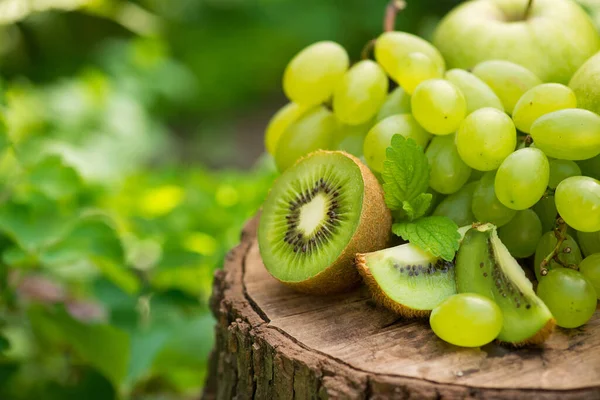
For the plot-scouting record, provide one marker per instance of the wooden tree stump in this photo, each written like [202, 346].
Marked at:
[273, 343]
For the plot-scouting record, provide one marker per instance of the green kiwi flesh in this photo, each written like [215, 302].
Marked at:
[317, 216]
[406, 279]
[485, 266]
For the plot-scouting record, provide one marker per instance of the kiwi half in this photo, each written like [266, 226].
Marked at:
[317, 216]
[484, 266]
[407, 280]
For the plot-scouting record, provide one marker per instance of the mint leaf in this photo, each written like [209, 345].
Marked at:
[405, 172]
[54, 178]
[102, 346]
[417, 207]
[437, 235]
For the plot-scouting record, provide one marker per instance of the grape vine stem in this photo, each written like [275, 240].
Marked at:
[528, 10]
[392, 10]
[366, 51]
[561, 235]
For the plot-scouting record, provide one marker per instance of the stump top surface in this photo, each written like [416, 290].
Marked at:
[351, 329]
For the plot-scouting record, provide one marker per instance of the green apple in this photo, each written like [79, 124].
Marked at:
[586, 84]
[554, 39]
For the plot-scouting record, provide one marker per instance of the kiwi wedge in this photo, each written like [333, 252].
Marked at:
[407, 280]
[319, 213]
[484, 266]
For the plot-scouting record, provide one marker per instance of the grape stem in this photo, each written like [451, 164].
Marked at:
[561, 235]
[527, 10]
[391, 12]
[549, 192]
[366, 51]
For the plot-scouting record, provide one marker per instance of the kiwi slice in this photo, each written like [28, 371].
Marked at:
[407, 280]
[484, 266]
[317, 216]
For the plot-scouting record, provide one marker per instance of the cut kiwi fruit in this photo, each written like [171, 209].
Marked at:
[317, 216]
[407, 280]
[484, 266]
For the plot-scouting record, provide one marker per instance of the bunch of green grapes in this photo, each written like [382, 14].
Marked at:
[503, 146]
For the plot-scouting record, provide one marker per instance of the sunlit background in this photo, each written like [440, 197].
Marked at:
[131, 153]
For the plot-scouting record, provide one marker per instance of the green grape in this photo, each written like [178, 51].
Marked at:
[508, 80]
[314, 130]
[569, 295]
[522, 178]
[361, 92]
[282, 119]
[522, 234]
[312, 75]
[561, 170]
[570, 134]
[477, 93]
[590, 268]
[458, 206]
[590, 167]
[486, 206]
[485, 138]
[414, 69]
[397, 102]
[589, 242]
[467, 319]
[541, 100]
[546, 211]
[578, 203]
[392, 47]
[379, 138]
[569, 253]
[447, 172]
[438, 106]
[351, 138]
[476, 174]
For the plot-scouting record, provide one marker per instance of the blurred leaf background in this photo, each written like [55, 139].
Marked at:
[130, 157]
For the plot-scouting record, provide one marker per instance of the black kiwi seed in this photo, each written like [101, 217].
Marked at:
[297, 240]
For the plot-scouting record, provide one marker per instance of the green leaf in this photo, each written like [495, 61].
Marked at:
[437, 235]
[176, 362]
[405, 172]
[418, 206]
[94, 240]
[145, 346]
[91, 236]
[103, 347]
[4, 138]
[53, 178]
[4, 344]
[36, 223]
[87, 383]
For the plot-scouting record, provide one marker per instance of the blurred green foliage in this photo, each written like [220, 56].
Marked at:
[111, 222]
[108, 243]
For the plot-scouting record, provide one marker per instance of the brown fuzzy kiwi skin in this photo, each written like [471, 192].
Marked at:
[372, 234]
[379, 295]
[539, 338]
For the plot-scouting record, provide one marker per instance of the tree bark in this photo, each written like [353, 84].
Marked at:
[272, 343]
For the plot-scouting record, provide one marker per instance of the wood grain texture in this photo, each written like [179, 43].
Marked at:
[276, 343]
